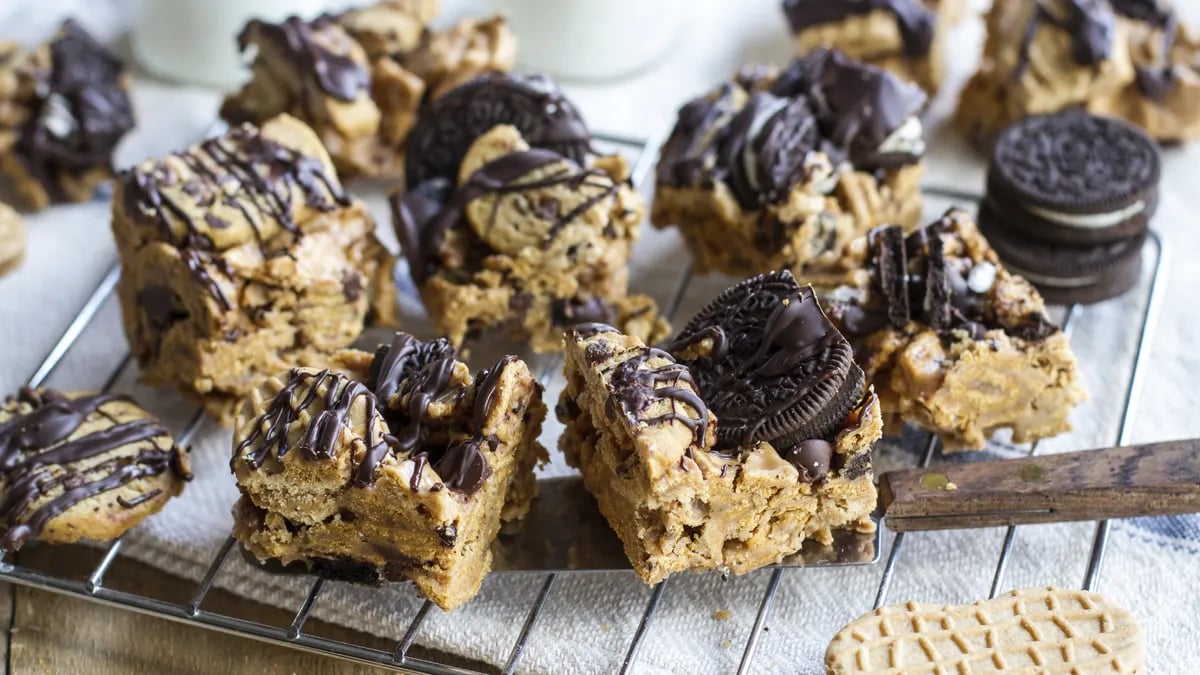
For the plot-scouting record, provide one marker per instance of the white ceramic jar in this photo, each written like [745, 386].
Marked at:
[592, 39]
[195, 41]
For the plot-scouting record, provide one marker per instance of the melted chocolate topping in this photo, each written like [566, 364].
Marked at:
[406, 371]
[857, 105]
[571, 311]
[913, 18]
[34, 441]
[1155, 82]
[913, 280]
[425, 214]
[1090, 23]
[338, 75]
[266, 177]
[80, 113]
[823, 101]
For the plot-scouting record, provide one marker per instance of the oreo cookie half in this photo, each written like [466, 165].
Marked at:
[449, 125]
[779, 371]
[1065, 273]
[1074, 178]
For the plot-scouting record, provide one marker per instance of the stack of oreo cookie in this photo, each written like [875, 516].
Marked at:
[1069, 199]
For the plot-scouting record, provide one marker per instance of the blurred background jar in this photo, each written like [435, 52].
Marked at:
[195, 41]
[592, 39]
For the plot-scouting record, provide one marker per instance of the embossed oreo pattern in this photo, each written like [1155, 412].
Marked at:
[1074, 162]
[777, 369]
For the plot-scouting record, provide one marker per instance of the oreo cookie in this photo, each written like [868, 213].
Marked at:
[778, 370]
[770, 140]
[1069, 201]
[1074, 179]
[1062, 272]
[449, 125]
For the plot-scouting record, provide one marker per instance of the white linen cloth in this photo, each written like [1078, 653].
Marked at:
[1151, 567]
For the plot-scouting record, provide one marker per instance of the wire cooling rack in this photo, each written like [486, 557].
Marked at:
[293, 635]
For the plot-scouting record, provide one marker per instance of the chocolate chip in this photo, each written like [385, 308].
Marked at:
[811, 458]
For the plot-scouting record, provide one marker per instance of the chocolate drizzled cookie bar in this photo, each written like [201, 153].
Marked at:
[1132, 59]
[746, 435]
[952, 341]
[385, 467]
[242, 256]
[360, 78]
[79, 465]
[64, 106]
[906, 37]
[511, 224]
[773, 170]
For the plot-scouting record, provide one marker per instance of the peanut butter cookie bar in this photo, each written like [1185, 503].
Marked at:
[522, 240]
[395, 466]
[1131, 59]
[360, 78]
[951, 341]
[78, 465]
[775, 170]
[241, 257]
[903, 36]
[746, 435]
[64, 106]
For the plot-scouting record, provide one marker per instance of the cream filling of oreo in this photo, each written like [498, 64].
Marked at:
[1093, 221]
[1056, 282]
[749, 156]
[907, 139]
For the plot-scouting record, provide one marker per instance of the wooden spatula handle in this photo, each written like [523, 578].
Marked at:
[1138, 480]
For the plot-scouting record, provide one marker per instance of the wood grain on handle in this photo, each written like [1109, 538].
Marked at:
[1137, 480]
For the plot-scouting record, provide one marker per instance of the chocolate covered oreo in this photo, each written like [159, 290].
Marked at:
[775, 369]
[1069, 200]
[450, 124]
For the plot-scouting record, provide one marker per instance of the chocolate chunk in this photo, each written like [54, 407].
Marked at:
[160, 306]
[689, 155]
[337, 74]
[812, 458]
[1090, 24]
[857, 105]
[889, 260]
[451, 123]
[784, 374]
[463, 467]
[394, 363]
[82, 110]
[770, 140]
[937, 294]
[571, 311]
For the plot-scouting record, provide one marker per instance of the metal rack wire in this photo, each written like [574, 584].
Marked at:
[293, 635]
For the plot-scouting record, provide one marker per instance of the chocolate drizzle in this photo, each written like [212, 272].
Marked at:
[1090, 23]
[80, 113]
[914, 20]
[243, 170]
[338, 75]
[264, 174]
[424, 215]
[912, 279]
[406, 377]
[39, 437]
[636, 387]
